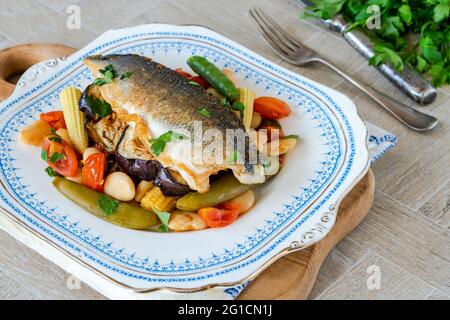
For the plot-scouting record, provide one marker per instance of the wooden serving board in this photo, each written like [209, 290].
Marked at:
[291, 277]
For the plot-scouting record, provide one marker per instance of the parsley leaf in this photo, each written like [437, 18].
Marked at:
[127, 75]
[44, 155]
[234, 157]
[441, 11]
[107, 204]
[101, 81]
[159, 144]
[109, 71]
[99, 107]
[55, 157]
[384, 55]
[55, 138]
[429, 50]
[109, 74]
[405, 13]
[204, 112]
[52, 173]
[239, 106]
[164, 217]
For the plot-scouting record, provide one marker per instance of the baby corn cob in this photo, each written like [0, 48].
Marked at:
[247, 97]
[154, 199]
[74, 118]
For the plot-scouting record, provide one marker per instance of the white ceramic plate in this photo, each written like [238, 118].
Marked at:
[295, 209]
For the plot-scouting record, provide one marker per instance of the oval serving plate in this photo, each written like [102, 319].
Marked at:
[294, 210]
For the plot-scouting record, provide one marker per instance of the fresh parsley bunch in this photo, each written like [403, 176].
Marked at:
[415, 32]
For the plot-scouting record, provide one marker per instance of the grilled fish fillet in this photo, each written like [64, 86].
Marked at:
[155, 100]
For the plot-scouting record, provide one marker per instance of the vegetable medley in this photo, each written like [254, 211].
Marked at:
[126, 191]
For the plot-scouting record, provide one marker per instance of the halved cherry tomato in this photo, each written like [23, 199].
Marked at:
[55, 119]
[196, 79]
[183, 73]
[93, 172]
[220, 217]
[272, 108]
[65, 161]
[200, 81]
[273, 129]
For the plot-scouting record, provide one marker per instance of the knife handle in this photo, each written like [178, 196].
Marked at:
[408, 81]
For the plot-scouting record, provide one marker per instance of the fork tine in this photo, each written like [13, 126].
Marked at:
[282, 50]
[282, 34]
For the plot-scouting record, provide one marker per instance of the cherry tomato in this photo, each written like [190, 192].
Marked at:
[272, 126]
[200, 81]
[55, 119]
[61, 157]
[93, 172]
[196, 79]
[183, 73]
[220, 217]
[272, 108]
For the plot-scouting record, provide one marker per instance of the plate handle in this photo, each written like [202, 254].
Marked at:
[16, 60]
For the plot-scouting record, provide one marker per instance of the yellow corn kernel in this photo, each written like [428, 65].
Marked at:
[154, 199]
[247, 97]
[74, 118]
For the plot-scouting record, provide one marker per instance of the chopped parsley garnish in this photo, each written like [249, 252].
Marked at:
[267, 164]
[204, 112]
[127, 75]
[99, 107]
[107, 204]
[55, 157]
[164, 217]
[110, 74]
[101, 81]
[44, 155]
[239, 106]
[55, 138]
[234, 157]
[159, 144]
[51, 172]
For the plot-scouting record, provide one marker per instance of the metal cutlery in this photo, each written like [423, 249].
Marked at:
[408, 81]
[296, 53]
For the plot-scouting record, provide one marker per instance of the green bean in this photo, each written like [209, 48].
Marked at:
[126, 214]
[224, 189]
[215, 77]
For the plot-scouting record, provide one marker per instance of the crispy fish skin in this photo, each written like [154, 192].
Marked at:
[167, 101]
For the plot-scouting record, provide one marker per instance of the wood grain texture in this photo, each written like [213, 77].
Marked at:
[39, 24]
[16, 60]
[412, 179]
[437, 208]
[413, 242]
[395, 283]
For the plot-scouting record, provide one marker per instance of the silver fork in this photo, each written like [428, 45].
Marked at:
[296, 53]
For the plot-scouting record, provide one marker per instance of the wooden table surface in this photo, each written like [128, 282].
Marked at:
[406, 234]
